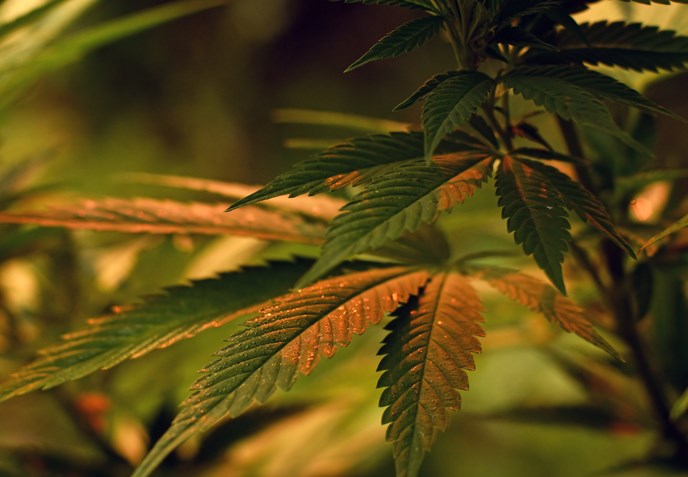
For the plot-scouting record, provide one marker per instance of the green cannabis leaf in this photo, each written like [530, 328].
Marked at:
[407, 37]
[632, 46]
[159, 321]
[673, 228]
[451, 104]
[583, 202]
[568, 100]
[535, 213]
[355, 163]
[598, 84]
[399, 201]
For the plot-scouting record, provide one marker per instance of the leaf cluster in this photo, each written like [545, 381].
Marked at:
[379, 253]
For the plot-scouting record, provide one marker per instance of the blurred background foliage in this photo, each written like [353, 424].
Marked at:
[91, 91]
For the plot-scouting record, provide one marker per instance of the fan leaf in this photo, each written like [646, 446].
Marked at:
[399, 201]
[568, 100]
[451, 105]
[412, 4]
[287, 339]
[632, 46]
[323, 208]
[519, 37]
[425, 357]
[352, 163]
[152, 216]
[403, 39]
[534, 210]
[425, 89]
[583, 202]
[660, 2]
[598, 84]
[542, 298]
[522, 8]
[159, 321]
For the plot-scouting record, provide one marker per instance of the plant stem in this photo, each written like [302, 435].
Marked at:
[620, 303]
[502, 132]
[626, 319]
[575, 148]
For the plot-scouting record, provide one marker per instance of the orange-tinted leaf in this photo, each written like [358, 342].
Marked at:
[542, 298]
[322, 207]
[426, 354]
[287, 339]
[159, 321]
[152, 216]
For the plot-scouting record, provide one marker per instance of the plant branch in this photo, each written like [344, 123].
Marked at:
[575, 149]
[502, 132]
[583, 259]
[626, 319]
[618, 297]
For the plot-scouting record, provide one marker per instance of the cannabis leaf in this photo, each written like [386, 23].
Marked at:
[673, 228]
[398, 201]
[535, 213]
[425, 357]
[413, 4]
[583, 202]
[522, 8]
[287, 339]
[322, 208]
[159, 321]
[352, 163]
[522, 38]
[451, 105]
[425, 89]
[542, 298]
[568, 100]
[405, 38]
[632, 46]
[152, 216]
[661, 2]
[600, 85]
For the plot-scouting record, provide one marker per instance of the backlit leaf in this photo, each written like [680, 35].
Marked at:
[600, 85]
[633, 46]
[152, 216]
[673, 228]
[522, 38]
[583, 202]
[534, 210]
[399, 201]
[510, 10]
[542, 298]
[413, 4]
[451, 105]
[425, 89]
[405, 38]
[157, 322]
[425, 357]
[660, 2]
[568, 100]
[287, 339]
[352, 163]
[321, 208]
